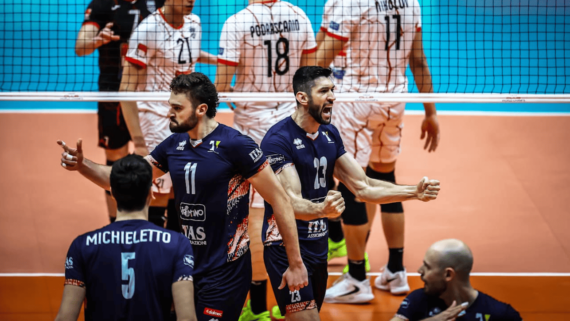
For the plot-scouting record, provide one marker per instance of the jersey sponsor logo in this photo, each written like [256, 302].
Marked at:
[213, 312]
[69, 263]
[334, 26]
[317, 229]
[192, 212]
[299, 143]
[188, 260]
[405, 304]
[256, 154]
[221, 51]
[181, 145]
[192, 32]
[274, 28]
[197, 236]
[275, 158]
[300, 306]
[328, 138]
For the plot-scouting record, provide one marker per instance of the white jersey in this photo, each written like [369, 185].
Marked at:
[265, 41]
[380, 34]
[166, 52]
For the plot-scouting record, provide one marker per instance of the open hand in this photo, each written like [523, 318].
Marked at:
[106, 35]
[430, 126]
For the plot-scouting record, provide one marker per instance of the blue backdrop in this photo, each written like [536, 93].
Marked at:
[473, 46]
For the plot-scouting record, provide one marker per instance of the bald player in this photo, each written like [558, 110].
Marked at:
[447, 292]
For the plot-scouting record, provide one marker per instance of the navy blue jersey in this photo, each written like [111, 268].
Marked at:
[127, 269]
[314, 157]
[418, 306]
[125, 16]
[210, 184]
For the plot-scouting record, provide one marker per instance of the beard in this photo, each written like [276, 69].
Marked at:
[317, 112]
[185, 126]
[435, 288]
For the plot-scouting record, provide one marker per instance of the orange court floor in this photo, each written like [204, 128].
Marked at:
[504, 192]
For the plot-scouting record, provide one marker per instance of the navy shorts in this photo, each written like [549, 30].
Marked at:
[113, 131]
[309, 297]
[220, 293]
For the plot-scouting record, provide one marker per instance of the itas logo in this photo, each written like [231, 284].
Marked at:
[299, 143]
[69, 263]
[334, 26]
[192, 212]
[213, 313]
[189, 260]
[197, 236]
[181, 145]
[256, 154]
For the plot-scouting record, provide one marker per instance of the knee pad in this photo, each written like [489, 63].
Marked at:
[394, 208]
[355, 212]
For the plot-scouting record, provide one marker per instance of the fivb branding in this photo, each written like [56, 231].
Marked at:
[127, 237]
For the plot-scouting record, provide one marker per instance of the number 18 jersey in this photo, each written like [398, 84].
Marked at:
[265, 41]
[314, 157]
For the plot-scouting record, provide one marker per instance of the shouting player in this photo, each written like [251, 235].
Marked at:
[305, 151]
[130, 269]
[380, 39]
[262, 45]
[107, 27]
[212, 166]
[164, 45]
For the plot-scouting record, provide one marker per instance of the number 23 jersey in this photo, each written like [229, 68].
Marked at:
[314, 157]
[211, 191]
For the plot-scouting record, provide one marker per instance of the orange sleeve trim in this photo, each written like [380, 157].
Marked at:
[136, 62]
[309, 51]
[198, 60]
[337, 36]
[142, 48]
[74, 282]
[227, 62]
[418, 29]
[342, 53]
[323, 29]
[91, 23]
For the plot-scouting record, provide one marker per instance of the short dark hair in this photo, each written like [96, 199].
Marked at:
[199, 90]
[305, 77]
[131, 180]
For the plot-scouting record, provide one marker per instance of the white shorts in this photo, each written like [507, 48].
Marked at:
[155, 129]
[371, 132]
[256, 127]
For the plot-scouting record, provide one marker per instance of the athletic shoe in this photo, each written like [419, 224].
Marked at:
[336, 249]
[396, 283]
[366, 264]
[349, 290]
[247, 314]
[276, 313]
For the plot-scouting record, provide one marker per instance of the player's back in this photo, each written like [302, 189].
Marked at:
[380, 35]
[268, 40]
[128, 268]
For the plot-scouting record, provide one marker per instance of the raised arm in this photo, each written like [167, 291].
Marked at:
[132, 74]
[304, 209]
[71, 302]
[90, 38]
[72, 159]
[183, 297]
[348, 171]
[269, 188]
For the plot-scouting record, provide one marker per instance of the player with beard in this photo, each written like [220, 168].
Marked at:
[212, 166]
[447, 292]
[164, 45]
[305, 151]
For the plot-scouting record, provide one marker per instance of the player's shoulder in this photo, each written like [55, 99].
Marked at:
[417, 296]
[231, 137]
[281, 130]
[193, 18]
[501, 309]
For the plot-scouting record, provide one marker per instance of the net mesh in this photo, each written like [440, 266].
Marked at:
[472, 46]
